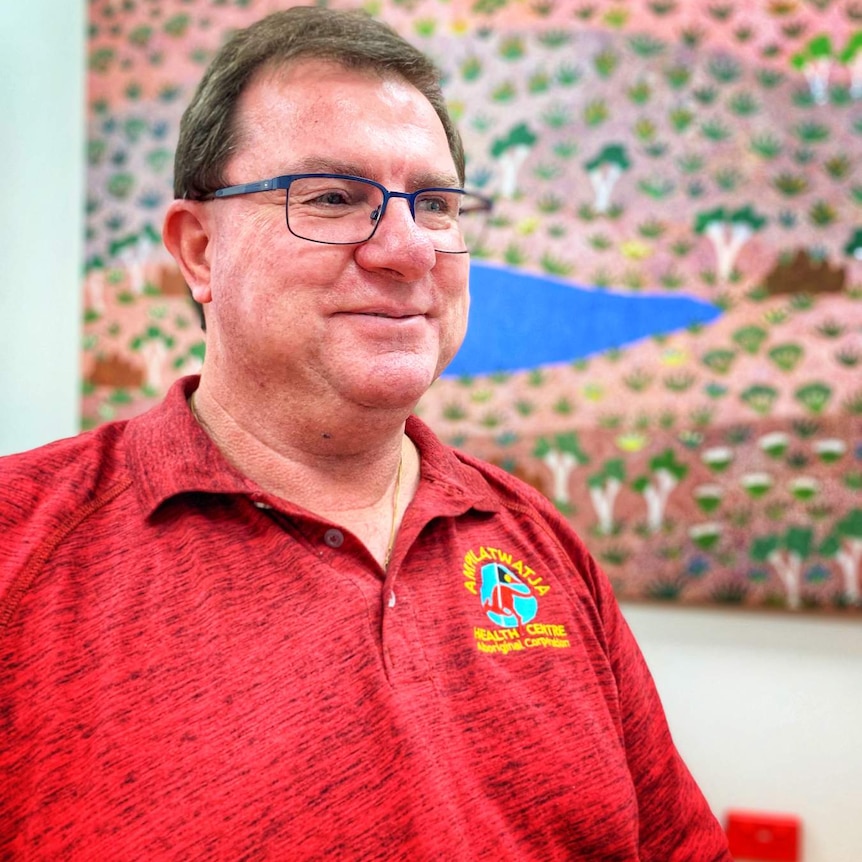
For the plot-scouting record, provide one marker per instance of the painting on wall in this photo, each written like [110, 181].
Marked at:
[666, 324]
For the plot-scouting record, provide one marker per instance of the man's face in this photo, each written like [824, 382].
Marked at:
[371, 324]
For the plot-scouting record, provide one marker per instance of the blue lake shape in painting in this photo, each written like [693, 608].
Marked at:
[520, 320]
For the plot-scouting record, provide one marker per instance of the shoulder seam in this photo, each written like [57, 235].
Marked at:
[583, 566]
[22, 582]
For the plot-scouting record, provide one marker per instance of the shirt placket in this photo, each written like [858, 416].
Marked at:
[401, 635]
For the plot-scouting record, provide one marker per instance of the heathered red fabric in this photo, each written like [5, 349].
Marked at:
[191, 669]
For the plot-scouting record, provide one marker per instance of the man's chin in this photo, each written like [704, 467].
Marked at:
[395, 389]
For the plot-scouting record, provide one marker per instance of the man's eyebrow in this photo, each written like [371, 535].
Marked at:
[318, 165]
[423, 180]
[438, 180]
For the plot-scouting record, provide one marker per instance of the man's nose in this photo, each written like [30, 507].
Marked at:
[406, 210]
[396, 215]
[398, 243]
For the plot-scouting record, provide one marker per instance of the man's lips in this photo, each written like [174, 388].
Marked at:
[391, 314]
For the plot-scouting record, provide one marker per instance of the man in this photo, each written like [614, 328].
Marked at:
[276, 617]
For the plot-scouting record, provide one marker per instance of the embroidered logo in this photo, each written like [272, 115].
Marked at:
[507, 600]
[509, 592]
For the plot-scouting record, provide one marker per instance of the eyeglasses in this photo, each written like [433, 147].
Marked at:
[339, 209]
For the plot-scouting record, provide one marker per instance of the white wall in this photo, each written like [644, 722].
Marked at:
[41, 218]
[766, 709]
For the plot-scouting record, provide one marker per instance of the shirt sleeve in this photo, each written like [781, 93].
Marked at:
[675, 821]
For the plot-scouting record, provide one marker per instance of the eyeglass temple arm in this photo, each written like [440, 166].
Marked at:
[248, 188]
[481, 203]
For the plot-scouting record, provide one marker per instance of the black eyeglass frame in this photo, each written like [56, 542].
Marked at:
[285, 181]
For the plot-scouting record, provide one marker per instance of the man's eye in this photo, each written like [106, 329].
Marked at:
[330, 198]
[435, 205]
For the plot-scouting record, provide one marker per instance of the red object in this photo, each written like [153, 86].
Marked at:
[185, 674]
[758, 836]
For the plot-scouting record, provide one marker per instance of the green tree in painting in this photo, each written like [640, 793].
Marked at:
[785, 553]
[851, 57]
[815, 62]
[728, 232]
[153, 344]
[814, 396]
[604, 171]
[94, 285]
[511, 151]
[844, 545]
[192, 360]
[561, 453]
[665, 474]
[854, 244]
[604, 487]
[133, 253]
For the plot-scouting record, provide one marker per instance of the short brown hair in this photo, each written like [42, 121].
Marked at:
[208, 135]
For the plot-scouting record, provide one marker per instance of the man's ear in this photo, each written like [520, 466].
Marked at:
[186, 234]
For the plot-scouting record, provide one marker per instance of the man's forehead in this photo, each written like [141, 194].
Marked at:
[278, 74]
[322, 163]
[309, 88]
[269, 117]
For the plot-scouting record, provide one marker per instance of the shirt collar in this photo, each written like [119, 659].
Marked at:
[456, 484]
[168, 453]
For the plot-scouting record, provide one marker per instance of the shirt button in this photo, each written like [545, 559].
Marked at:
[334, 538]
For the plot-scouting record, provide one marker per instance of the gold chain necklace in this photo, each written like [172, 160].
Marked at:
[391, 543]
[395, 497]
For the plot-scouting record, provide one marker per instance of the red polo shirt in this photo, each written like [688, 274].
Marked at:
[193, 669]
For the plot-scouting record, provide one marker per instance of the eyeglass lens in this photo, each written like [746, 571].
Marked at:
[345, 211]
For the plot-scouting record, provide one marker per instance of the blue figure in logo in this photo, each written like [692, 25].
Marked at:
[508, 601]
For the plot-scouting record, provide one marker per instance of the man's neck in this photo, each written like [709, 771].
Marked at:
[346, 466]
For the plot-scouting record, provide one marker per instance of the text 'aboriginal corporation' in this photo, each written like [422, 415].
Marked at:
[531, 636]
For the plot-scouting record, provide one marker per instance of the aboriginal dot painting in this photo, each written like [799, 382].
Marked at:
[666, 325]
